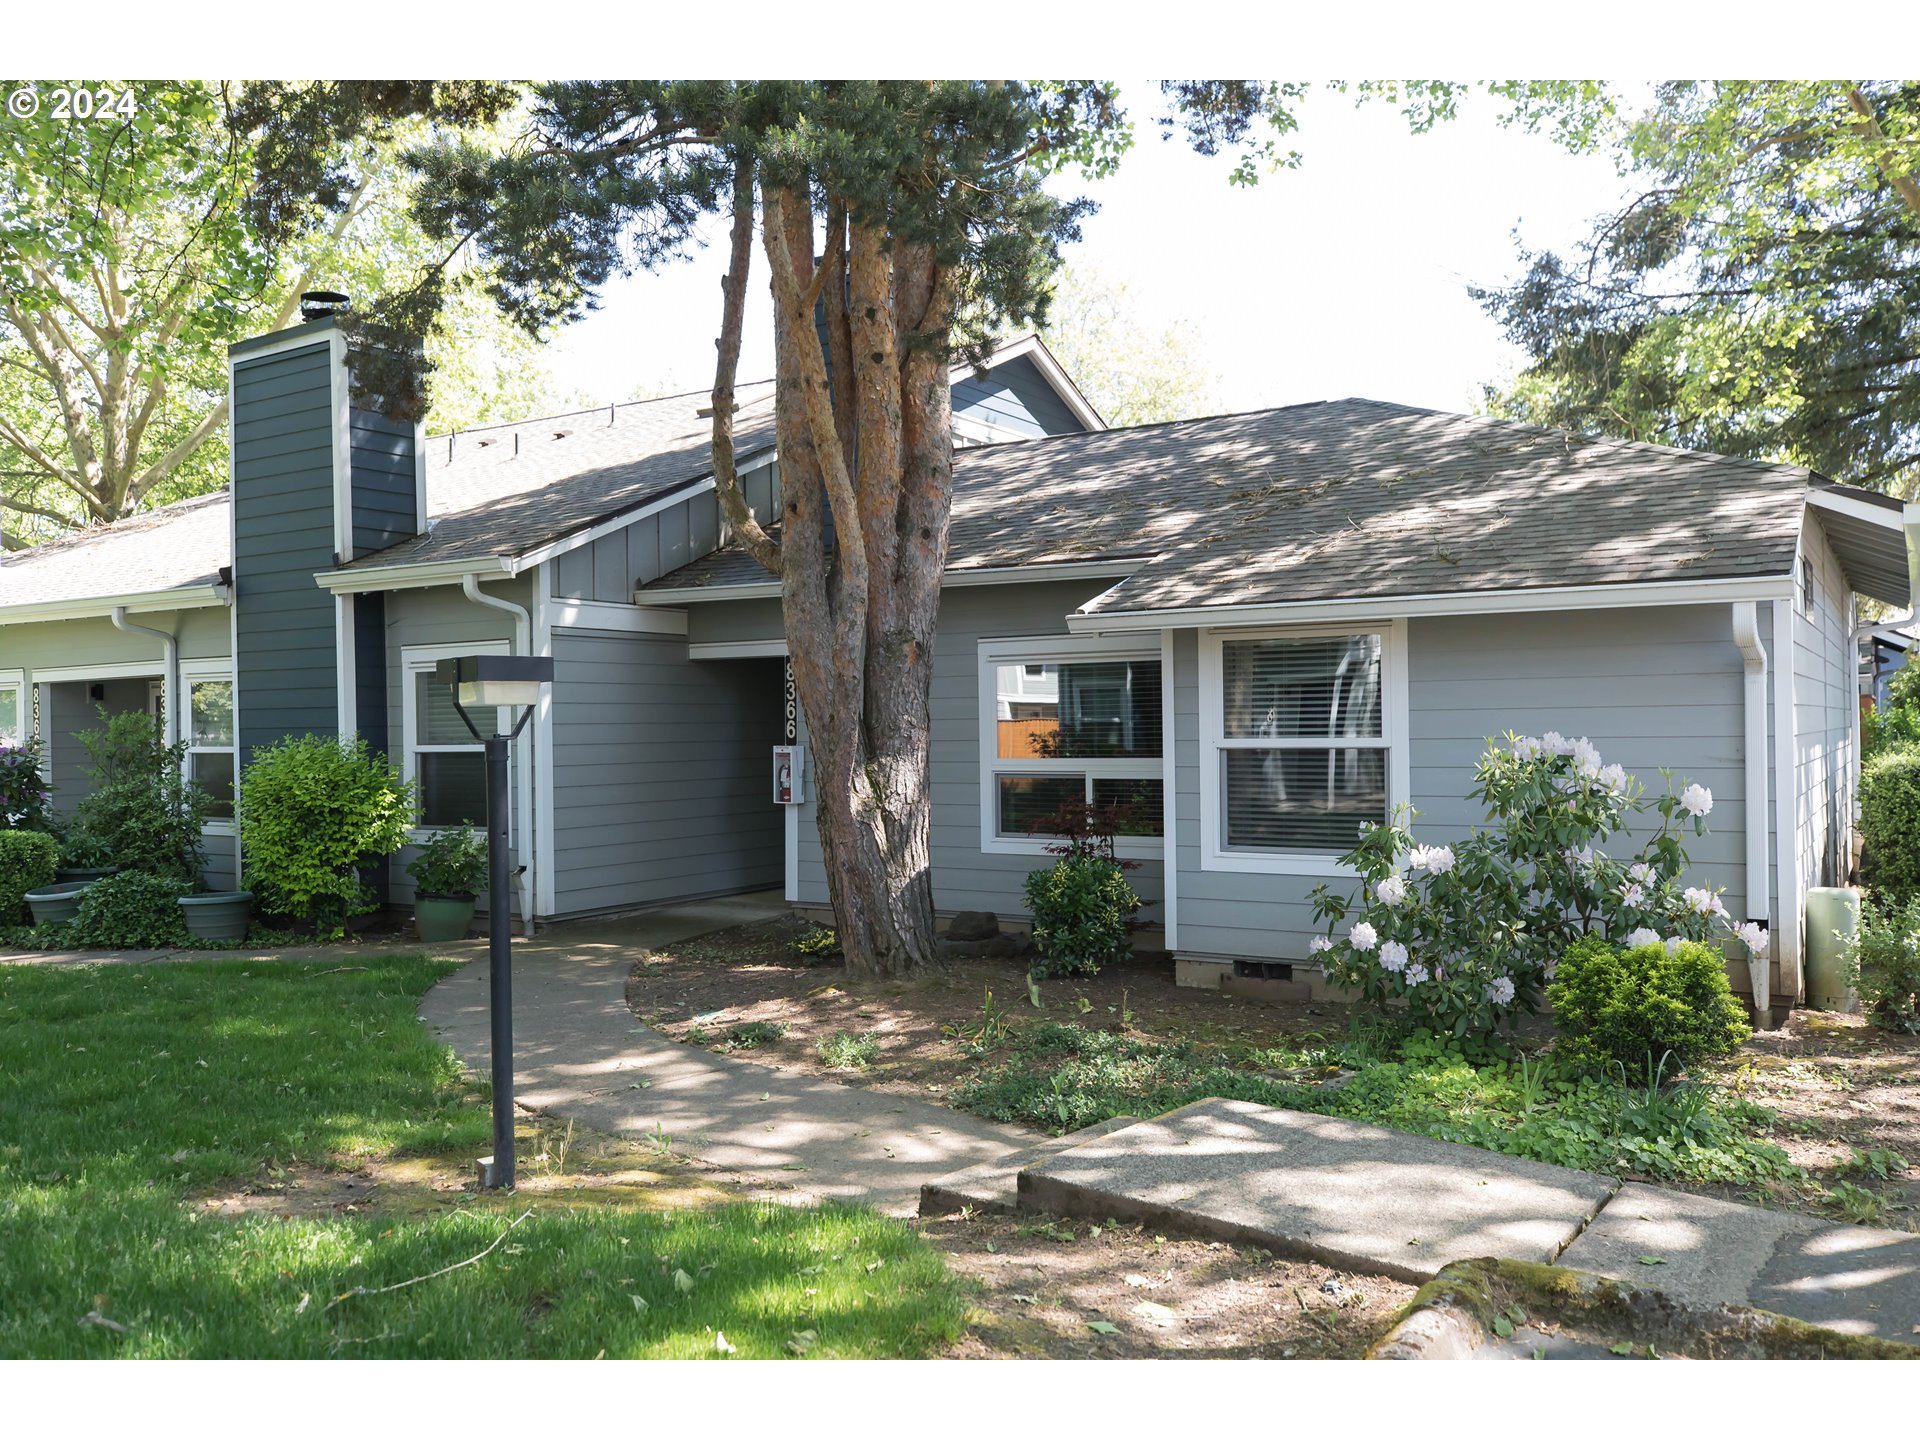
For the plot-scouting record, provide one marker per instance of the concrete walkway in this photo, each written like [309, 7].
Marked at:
[580, 1054]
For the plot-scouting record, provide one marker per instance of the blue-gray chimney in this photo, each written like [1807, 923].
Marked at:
[319, 478]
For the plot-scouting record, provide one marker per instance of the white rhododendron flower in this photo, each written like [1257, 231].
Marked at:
[1417, 974]
[1437, 858]
[1614, 777]
[1317, 944]
[1643, 936]
[1641, 872]
[1393, 956]
[1696, 800]
[1632, 893]
[1500, 992]
[1554, 742]
[1526, 747]
[1363, 936]
[1674, 942]
[1586, 758]
[1583, 857]
[1752, 936]
[1391, 891]
[1701, 902]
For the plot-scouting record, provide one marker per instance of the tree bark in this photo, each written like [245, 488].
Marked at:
[862, 547]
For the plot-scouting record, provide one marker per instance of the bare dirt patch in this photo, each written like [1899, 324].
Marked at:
[743, 993]
[1070, 1290]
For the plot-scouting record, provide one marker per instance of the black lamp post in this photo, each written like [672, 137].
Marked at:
[495, 682]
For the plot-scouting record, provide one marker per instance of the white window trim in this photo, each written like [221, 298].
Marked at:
[413, 660]
[1395, 726]
[1065, 650]
[16, 681]
[211, 669]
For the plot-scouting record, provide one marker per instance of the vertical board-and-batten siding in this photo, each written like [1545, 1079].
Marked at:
[1650, 688]
[283, 521]
[661, 772]
[1014, 397]
[965, 877]
[613, 566]
[384, 480]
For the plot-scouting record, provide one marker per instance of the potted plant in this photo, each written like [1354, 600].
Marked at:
[58, 904]
[447, 876]
[84, 857]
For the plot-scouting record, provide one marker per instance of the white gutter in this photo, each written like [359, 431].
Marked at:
[414, 577]
[170, 673]
[1746, 635]
[523, 799]
[93, 607]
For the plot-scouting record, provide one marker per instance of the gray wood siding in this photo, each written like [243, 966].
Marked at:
[734, 622]
[383, 481]
[964, 876]
[661, 772]
[654, 545]
[283, 529]
[442, 615]
[1015, 397]
[1648, 687]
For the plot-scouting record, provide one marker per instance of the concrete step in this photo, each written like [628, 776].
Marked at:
[1712, 1252]
[990, 1187]
[1357, 1197]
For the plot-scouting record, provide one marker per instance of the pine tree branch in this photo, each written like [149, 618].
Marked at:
[746, 527]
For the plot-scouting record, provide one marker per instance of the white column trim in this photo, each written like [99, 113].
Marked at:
[1786, 790]
[545, 842]
[1169, 771]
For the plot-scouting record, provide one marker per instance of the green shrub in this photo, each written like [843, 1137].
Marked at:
[130, 911]
[27, 862]
[1890, 821]
[452, 864]
[1883, 964]
[1634, 1006]
[23, 794]
[841, 1051]
[1082, 908]
[313, 810]
[143, 812]
[815, 946]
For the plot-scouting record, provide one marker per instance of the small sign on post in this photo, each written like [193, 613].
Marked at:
[789, 766]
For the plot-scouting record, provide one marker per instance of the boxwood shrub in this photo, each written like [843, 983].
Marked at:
[1082, 909]
[1890, 822]
[1637, 1006]
[28, 859]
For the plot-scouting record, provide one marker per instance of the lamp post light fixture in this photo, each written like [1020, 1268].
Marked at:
[497, 682]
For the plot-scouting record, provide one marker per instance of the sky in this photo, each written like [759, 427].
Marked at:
[1347, 276]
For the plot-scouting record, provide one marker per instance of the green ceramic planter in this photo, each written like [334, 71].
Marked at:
[221, 915]
[57, 904]
[440, 918]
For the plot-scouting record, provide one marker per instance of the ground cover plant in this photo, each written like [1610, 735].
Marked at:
[134, 1098]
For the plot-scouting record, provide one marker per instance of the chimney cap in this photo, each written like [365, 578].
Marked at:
[318, 304]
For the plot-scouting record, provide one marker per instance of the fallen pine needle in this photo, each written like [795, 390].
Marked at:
[434, 1275]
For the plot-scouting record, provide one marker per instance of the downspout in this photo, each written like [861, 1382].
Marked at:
[1746, 636]
[523, 831]
[170, 670]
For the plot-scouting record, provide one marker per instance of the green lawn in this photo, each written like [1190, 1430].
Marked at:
[128, 1092]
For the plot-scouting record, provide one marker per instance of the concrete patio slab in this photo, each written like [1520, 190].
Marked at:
[580, 1053]
[1709, 1252]
[1352, 1196]
[992, 1187]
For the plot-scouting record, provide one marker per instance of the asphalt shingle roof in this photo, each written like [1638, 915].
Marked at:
[1353, 499]
[176, 545]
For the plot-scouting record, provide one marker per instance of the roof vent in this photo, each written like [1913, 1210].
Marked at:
[318, 304]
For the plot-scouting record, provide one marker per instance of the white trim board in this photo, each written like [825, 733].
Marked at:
[100, 670]
[1396, 733]
[545, 839]
[1356, 610]
[612, 615]
[1170, 772]
[738, 650]
[100, 607]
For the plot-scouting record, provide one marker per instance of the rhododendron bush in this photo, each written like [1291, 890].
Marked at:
[1469, 934]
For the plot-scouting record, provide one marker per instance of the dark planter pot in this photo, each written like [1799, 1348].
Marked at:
[57, 904]
[440, 918]
[98, 872]
[222, 915]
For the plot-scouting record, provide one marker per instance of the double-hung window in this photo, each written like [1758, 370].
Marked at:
[211, 755]
[1065, 721]
[443, 759]
[1303, 743]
